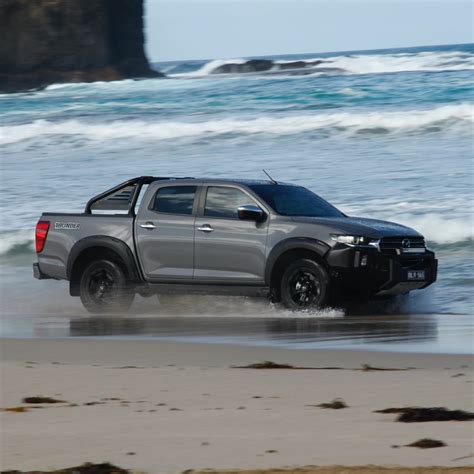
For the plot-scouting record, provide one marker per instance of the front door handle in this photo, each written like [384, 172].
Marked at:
[148, 225]
[205, 228]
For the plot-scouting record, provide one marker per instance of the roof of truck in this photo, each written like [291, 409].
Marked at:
[248, 182]
[227, 180]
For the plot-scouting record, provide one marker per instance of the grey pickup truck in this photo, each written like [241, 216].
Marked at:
[154, 235]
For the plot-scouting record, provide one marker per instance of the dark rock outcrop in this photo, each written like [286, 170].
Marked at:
[53, 41]
[298, 64]
[252, 65]
[267, 66]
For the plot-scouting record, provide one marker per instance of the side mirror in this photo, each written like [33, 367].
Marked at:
[251, 212]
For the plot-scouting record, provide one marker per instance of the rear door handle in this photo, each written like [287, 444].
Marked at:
[205, 228]
[148, 225]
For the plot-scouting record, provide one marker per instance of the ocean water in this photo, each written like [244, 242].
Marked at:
[385, 134]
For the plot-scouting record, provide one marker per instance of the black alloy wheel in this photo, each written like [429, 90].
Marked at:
[304, 285]
[103, 288]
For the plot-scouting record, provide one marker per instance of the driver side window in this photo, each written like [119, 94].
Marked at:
[223, 202]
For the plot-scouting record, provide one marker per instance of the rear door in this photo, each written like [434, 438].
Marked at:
[164, 232]
[228, 249]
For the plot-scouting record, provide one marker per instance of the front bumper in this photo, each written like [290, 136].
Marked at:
[366, 272]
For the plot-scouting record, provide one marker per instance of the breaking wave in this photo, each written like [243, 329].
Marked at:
[348, 64]
[441, 118]
[440, 230]
[424, 61]
[16, 240]
[17, 246]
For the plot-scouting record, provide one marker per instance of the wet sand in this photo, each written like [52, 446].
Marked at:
[253, 323]
[347, 470]
[406, 325]
[179, 406]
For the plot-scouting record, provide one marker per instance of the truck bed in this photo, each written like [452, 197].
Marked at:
[67, 229]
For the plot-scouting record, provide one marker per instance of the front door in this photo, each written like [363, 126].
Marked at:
[164, 231]
[227, 249]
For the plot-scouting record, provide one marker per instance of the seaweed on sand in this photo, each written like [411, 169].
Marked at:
[336, 404]
[370, 368]
[426, 443]
[392, 410]
[87, 468]
[417, 414]
[267, 364]
[15, 409]
[39, 399]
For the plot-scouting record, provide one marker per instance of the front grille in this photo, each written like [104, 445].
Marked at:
[400, 245]
[413, 263]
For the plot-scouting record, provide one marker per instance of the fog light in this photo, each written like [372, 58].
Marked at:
[363, 261]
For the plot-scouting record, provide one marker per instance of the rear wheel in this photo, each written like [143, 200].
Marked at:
[304, 285]
[103, 288]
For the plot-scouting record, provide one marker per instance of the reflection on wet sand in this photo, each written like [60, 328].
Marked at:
[406, 327]
[273, 331]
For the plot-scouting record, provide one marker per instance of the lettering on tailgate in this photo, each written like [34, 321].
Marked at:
[67, 226]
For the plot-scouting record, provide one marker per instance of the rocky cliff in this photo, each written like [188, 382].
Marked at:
[48, 41]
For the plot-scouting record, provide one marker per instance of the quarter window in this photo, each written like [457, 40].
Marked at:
[223, 202]
[175, 200]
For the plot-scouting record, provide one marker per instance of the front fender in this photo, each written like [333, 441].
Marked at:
[294, 243]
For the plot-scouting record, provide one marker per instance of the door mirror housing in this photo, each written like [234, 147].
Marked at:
[251, 212]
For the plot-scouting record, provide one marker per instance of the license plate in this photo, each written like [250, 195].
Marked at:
[416, 275]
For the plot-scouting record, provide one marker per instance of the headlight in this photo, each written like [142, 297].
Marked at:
[354, 240]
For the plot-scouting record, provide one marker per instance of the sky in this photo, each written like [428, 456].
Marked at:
[196, 29]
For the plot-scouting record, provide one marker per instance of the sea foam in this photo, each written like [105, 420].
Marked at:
[383, 63]
[440, 118]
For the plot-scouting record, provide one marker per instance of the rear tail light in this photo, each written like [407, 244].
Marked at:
[42, 228]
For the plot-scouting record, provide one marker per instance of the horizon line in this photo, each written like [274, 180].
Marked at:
[312, 52]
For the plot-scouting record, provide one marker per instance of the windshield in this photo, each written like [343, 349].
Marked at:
[295, 201]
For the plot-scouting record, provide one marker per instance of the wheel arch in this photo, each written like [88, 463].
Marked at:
[286, 251]
[99, 247]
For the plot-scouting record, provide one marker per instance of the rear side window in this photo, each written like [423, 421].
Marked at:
[175, 200]
[118, 202]
[223, 202]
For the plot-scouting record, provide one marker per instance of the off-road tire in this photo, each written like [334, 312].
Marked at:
[305, 285]
[104, 289]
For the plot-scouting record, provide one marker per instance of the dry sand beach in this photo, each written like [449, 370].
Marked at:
[167, 407]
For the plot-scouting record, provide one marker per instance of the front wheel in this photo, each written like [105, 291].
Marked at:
[304, 285]
[103, 288]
